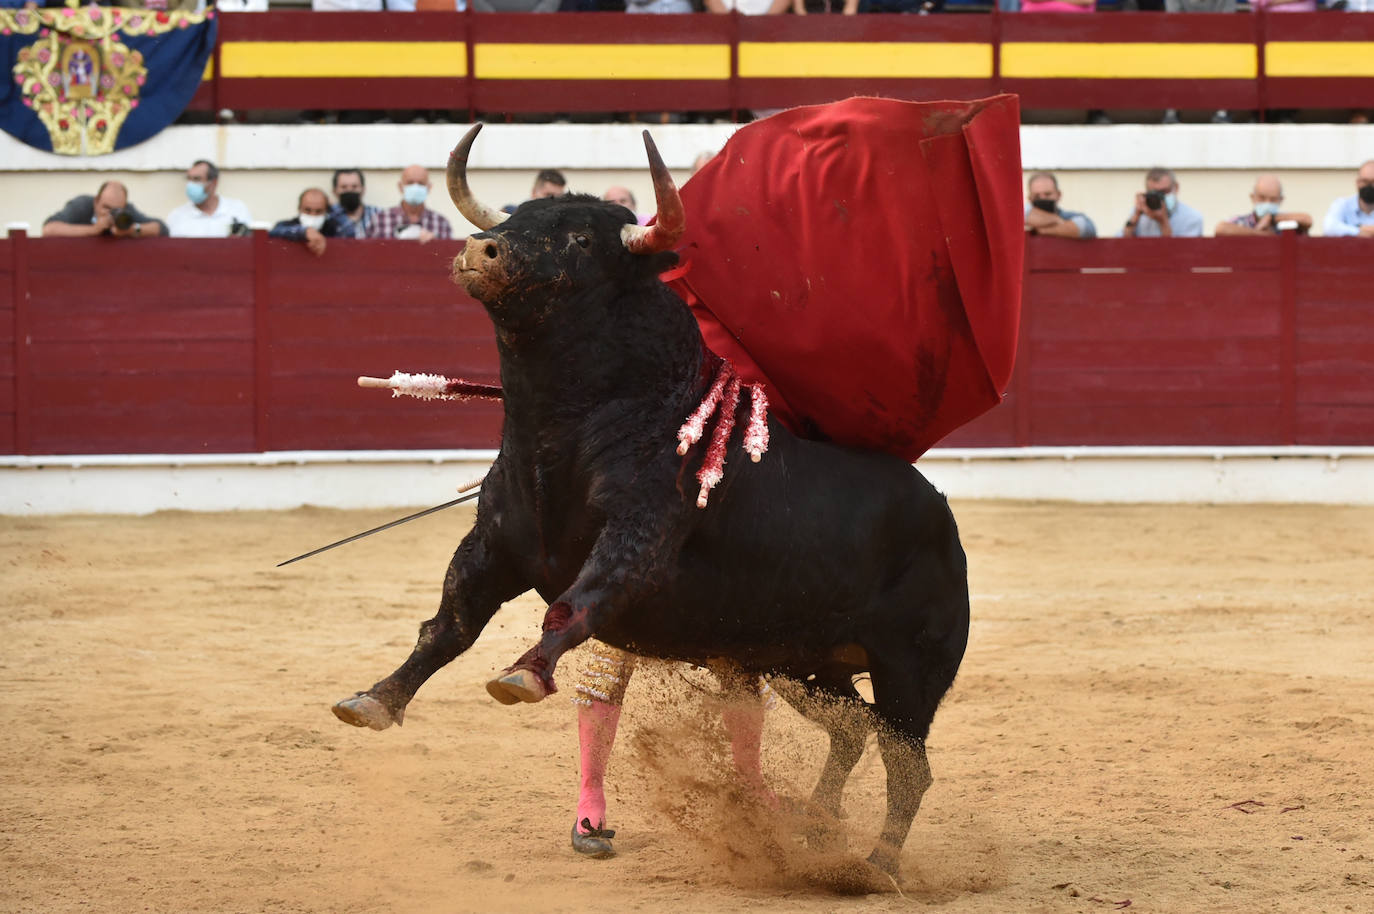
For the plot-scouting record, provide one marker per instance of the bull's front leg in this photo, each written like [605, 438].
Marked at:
[616, 575]
[479, 579]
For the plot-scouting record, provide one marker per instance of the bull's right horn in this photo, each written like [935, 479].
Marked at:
[473, 210]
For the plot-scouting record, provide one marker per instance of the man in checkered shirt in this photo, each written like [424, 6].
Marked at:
[411, 220]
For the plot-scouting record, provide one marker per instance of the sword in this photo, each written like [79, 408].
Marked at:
[387, 526]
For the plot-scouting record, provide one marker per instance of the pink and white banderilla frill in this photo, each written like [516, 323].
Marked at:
[724, 394]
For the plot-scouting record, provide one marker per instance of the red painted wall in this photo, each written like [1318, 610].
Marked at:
[182, 346]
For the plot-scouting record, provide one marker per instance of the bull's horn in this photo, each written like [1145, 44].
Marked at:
[671, 221]
[473, 210]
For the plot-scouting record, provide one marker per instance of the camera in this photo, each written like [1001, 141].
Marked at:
[123, 219]
[239, 229]
[1154, 199]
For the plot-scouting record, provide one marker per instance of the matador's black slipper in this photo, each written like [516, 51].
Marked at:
[593, 841]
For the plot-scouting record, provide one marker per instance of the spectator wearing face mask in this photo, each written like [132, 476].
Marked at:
[1264, 217]
[1044, 215]
[349, 187]
[313, 223]
[1158, 211]
[411, 220]
[1353, 216]
[206, 214]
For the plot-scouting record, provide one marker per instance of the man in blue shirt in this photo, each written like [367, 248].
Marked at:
[1158, 212]
[1354, 215]
[1044, 216]
[349, 187]
[313, 223]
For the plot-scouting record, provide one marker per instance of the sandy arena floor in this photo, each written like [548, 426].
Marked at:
[1162, 708]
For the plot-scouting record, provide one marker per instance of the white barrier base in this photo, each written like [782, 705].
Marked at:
[141, 484]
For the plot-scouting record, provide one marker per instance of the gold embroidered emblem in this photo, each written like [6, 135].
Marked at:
[79, 78]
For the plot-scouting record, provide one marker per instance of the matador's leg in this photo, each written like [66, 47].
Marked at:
[743, 720]
[598, 694]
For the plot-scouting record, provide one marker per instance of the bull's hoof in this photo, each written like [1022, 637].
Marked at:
[886, 858]
[517, 685]
[362, 710]
[596, 843]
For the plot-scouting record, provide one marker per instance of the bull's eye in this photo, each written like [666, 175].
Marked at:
[582, 241]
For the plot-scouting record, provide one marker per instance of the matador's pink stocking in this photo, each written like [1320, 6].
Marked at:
[596, 726]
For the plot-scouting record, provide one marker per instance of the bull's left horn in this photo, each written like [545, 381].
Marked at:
[473, 210]
[671, 221]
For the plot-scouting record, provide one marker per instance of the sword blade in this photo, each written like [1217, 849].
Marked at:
[387, 526]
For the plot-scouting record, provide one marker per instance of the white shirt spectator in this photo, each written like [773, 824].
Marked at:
[1345, 218]
[189, 221]
[748, 7]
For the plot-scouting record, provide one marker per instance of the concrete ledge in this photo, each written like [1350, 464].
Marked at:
[141, 484]
[1130, 147]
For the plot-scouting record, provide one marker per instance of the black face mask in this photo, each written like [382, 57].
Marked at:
[1367, 193]
[1048, 206]
[350, 200]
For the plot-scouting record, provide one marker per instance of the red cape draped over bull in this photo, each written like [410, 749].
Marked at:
[863, 261]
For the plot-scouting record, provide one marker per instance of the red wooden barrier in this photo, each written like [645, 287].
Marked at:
[182, 346]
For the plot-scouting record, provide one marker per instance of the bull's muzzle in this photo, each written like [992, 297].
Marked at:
[481, 267]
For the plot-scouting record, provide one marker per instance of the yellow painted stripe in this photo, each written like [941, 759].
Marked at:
[248, 59]
[1128, 60]
[1319, 58]
[877, 59]
[602, 61]
[209, 69]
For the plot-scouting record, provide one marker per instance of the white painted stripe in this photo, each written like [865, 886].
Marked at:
[139, 484]
[1128, 147]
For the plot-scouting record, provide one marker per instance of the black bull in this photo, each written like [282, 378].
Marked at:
[815, 564]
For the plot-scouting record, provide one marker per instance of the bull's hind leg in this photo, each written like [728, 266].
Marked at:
[831, 701]
[478, 581]
[905, 697]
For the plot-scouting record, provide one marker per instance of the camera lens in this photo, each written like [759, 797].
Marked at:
[122, 219]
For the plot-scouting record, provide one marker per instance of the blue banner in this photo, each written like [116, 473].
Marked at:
[89, 80]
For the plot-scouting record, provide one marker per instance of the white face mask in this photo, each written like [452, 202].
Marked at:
[315, 222]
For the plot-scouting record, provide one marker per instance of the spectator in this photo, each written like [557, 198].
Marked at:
[109, 212]
[1354, 215]
[1043, 215]
[524, 6]
[1057, 6]
[625, 198]
[349, 187]
[313, 223]
[548, 183]
[749, 7]
[1278, 6]
[1264, 216]
[412, 220]
[207, 215]
[1158, 212]
[661, 6]
[804, 7]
